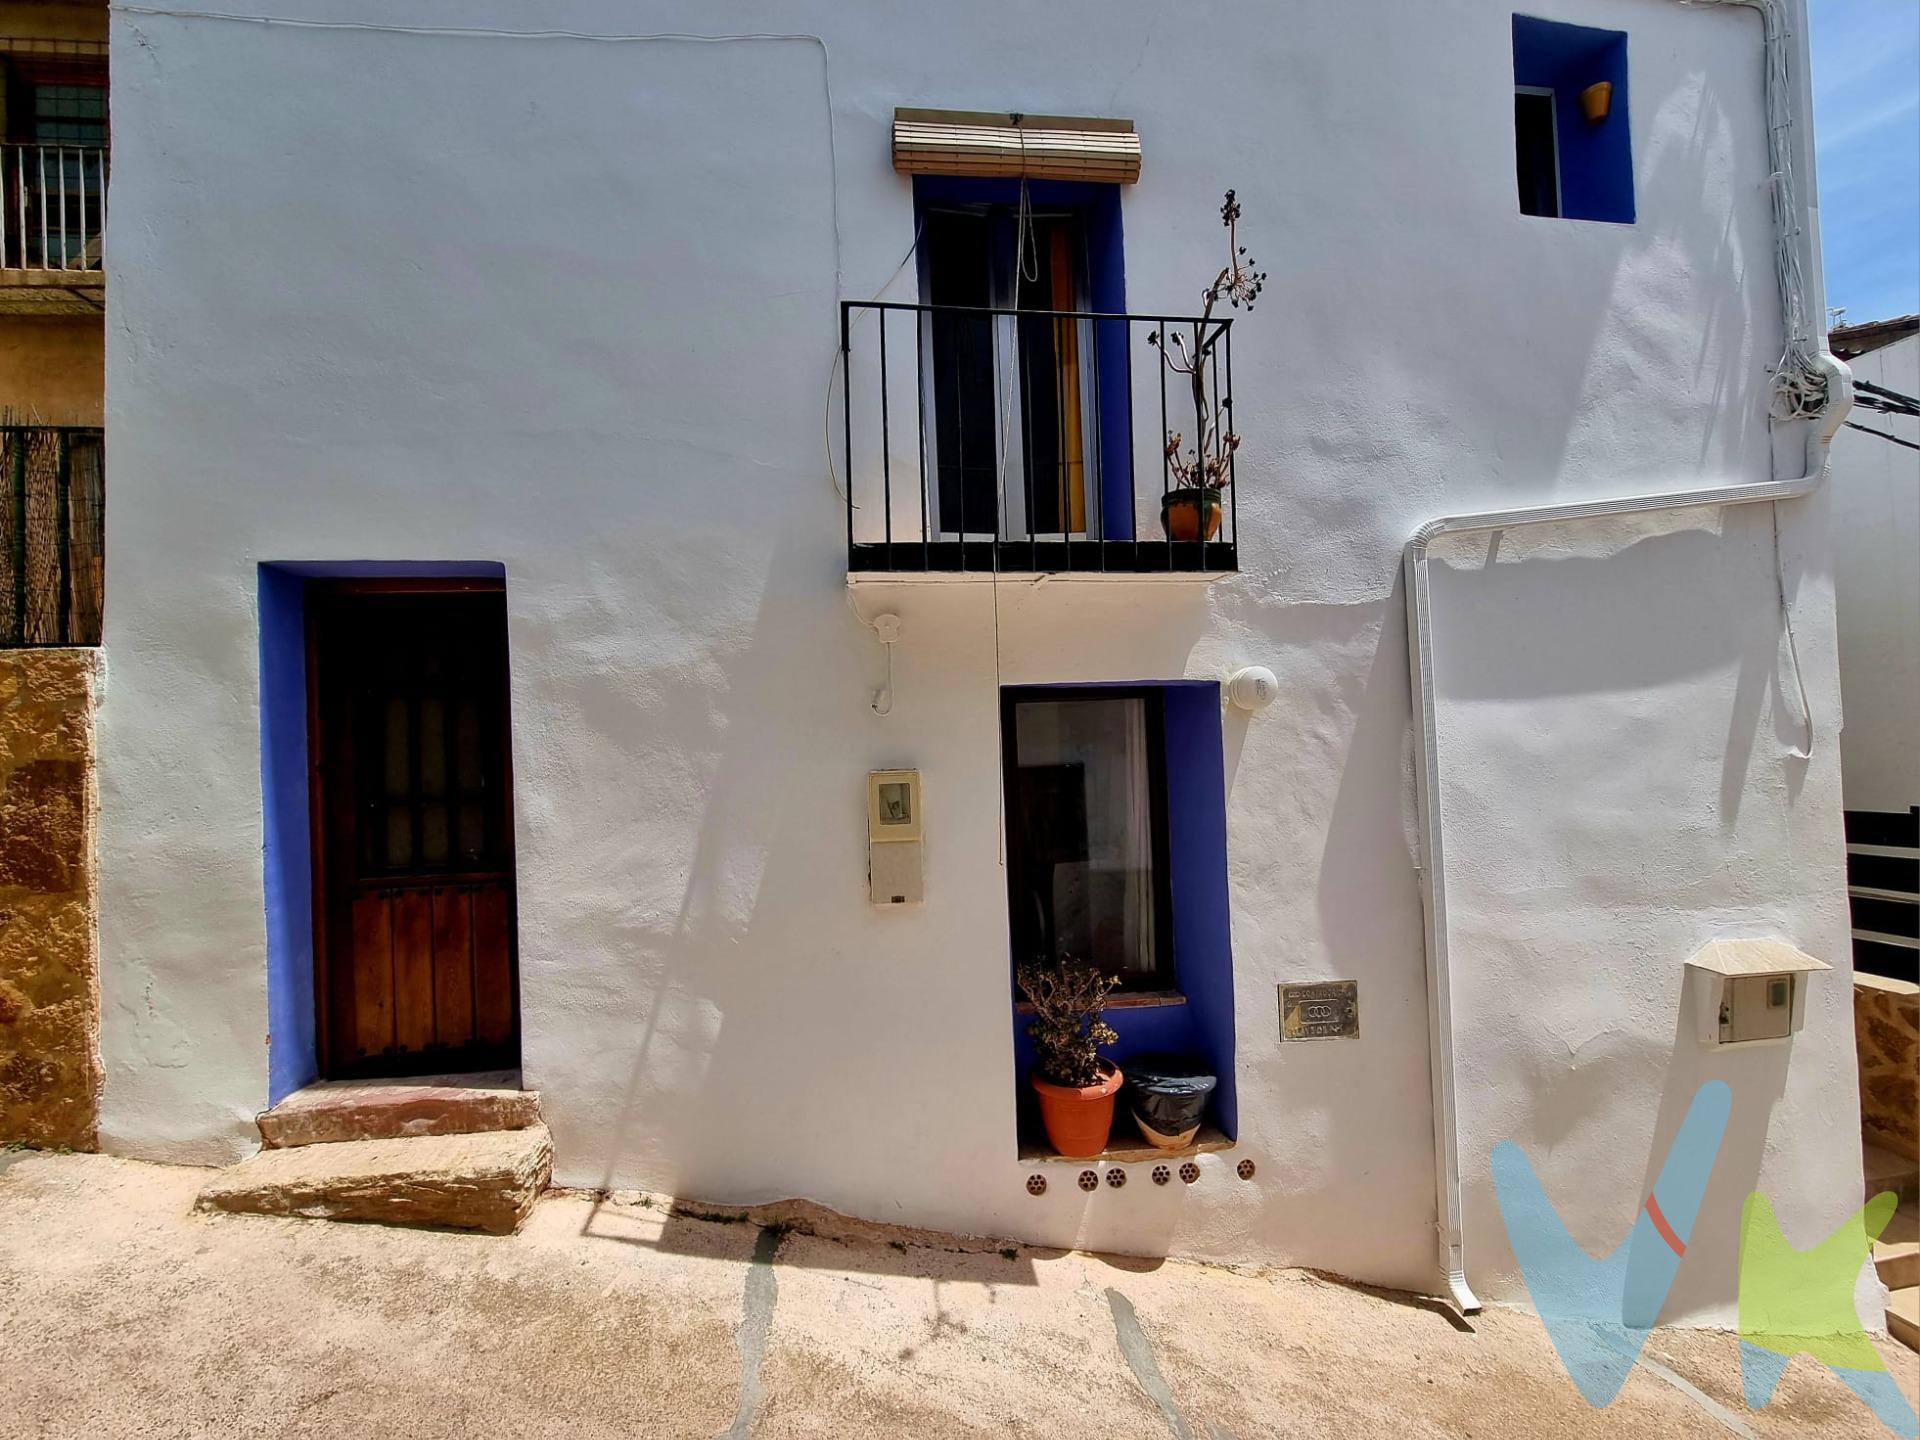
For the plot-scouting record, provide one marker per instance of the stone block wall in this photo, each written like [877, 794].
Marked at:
[49, 973]
[1886, 1019]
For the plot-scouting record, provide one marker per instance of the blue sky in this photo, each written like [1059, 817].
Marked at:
[1866, 103]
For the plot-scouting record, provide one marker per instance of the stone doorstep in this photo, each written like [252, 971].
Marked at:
[485, 1182]
[1896, 1254]
[1903, 1316]
[336, 1111]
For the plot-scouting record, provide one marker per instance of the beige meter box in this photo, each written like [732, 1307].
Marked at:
[895, 861]
[1749, 992]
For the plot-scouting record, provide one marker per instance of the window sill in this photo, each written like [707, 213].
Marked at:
[1131, 1000]
[1127, 1147]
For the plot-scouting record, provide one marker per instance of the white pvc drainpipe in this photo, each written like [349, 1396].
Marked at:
[1793, 240]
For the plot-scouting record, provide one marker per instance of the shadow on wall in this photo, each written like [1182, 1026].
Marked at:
[1601, 619]
[1659, 256]
[1757, 1075]
[892, 1026]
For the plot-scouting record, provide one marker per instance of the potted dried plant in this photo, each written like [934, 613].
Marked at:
[1196, 476]
[1075, 1083]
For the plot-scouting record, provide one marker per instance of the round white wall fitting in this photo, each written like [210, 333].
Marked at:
[1253, 687]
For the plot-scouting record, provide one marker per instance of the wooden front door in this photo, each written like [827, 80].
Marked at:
[414, 944]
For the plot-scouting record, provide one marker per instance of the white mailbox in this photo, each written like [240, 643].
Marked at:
[895, 872]
[1750, 991]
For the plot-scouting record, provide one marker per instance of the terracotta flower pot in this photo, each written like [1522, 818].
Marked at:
[1180, 512]
[1078, 1117]
[1596, 100]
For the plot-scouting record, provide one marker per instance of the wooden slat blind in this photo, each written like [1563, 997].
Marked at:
[1037, 147]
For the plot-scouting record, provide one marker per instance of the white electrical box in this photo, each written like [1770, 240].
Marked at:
[895, 855]
[1750, 991]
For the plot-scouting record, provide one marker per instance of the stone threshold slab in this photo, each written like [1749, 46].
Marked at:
[339, 1111]
[487, 1182]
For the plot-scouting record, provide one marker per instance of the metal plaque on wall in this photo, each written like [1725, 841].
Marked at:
[1325, 1010]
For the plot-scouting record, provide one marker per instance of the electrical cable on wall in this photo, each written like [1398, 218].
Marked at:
[887, 629]
[1793, 646]
[834, 367]
[1799, 379]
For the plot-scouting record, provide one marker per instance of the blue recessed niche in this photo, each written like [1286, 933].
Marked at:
[1569, 166]
[1196, 819]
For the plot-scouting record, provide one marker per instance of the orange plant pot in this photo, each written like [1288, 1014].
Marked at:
[1596, 101]
[1078, 1117]
[1180, 513]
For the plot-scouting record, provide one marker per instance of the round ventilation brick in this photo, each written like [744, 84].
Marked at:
[1089, 1180]
[1189, 1172]
[1116, 1177]
[1244, 1169]
[1036, 1184]
[1161, 1175]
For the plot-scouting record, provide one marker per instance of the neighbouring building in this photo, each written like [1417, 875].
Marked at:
[561, 470]
[1876, 565]
[53, 187]
[1876, 577]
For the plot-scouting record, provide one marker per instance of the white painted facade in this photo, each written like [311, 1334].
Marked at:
[571, 305]
[1876, 559]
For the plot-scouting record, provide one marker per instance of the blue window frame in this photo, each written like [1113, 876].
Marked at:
[1055, 391]
[1568, 166]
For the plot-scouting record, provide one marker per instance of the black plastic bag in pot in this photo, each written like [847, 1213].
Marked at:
[1169, 1092]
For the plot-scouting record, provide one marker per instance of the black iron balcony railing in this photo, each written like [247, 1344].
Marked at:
[52, 535]
[979, 439]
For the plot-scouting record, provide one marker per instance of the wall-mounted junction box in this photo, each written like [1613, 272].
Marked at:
[895, 861]
[1748, 991]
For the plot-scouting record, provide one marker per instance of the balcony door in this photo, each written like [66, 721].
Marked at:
[1012, 413]
[413, 828]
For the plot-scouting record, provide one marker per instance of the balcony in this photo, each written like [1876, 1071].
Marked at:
[981, 442]
[53, 212]
[52, 535]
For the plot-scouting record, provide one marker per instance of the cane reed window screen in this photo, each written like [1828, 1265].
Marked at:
[1037, 147]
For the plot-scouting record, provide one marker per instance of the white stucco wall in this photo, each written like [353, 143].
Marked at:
[570, 306]
[1876, 561]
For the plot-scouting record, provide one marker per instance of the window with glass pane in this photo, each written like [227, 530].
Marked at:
[70, 114]
[1085, 774]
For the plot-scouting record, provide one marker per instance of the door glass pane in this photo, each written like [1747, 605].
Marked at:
[433, 834]
[1081, 871]
[959, 273]
[398, 768]
[433, 745]
[429, 763]
[399, 836]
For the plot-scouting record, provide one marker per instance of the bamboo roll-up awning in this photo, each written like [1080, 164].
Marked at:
[1037, 147]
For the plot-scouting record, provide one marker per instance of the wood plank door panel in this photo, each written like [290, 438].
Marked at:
[453, 966]
[413, 843]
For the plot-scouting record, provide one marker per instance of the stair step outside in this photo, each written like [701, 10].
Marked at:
[486, 1181]
[336, 1111]
[1903, 1316]
[1896, 1254]
[1898, 1269]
